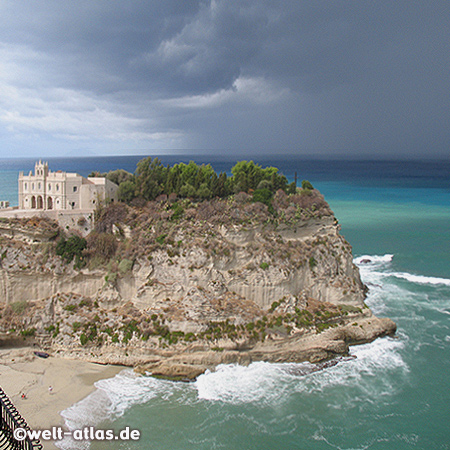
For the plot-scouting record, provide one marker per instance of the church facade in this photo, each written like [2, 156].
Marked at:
[47, 190]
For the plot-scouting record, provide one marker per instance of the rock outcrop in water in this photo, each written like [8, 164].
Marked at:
[177, 287]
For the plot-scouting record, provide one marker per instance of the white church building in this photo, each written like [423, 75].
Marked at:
[47, 190]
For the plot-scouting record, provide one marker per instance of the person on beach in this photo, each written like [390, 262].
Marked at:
[50, 389]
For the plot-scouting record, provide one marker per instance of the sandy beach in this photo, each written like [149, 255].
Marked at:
[71, 380]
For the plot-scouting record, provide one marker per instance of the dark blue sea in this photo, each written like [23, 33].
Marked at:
[395, 395]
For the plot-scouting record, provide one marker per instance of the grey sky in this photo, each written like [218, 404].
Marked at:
[307, 77]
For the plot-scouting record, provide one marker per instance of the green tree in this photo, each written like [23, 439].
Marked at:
[203, 192]
[126, 191]
[264, 196]
[188, 191]
[151, 178]
[119, 176]
[307, 185]
[292, 188]
[96, 174]
[222, 188]
[188, 173]
[246, 175]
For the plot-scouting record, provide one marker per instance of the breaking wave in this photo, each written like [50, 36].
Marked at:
[378, 266]
[372, 370]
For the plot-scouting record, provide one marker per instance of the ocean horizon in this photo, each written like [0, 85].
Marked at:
[392, 393]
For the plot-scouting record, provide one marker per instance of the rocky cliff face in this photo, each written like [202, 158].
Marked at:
[225, 283]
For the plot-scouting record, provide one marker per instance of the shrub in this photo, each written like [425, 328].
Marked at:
[178, 211]
[72, 248]
[241, 197]
[203, 191]
[264, 265]
[125, 266]
[349, 309]
[19, 306]
[106, 217]
[307, 185]
[160, 239]
[70, 307]
[28, 332]
[56, 332]
[187, 190]
[102, 245]
[263, 195]
[274, 306]
[323, 326]
[111, 277]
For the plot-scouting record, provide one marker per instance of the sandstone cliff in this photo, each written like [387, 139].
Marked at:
[180, 287]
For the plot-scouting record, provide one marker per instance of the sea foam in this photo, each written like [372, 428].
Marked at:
[372, 260]
[270, 384]
[378, 266]
[261, 382]
[114, 396]
[420, 279]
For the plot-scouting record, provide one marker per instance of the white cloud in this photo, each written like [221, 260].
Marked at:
[27, 110]
[252, 91]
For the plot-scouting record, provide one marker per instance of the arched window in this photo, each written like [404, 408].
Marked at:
[49, 187]
[39, 186]
[26, 187]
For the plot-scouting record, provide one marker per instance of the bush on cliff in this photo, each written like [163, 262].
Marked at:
[307, 185]
[106, 217]
[264, 196]
[101, 245]
[72, 248]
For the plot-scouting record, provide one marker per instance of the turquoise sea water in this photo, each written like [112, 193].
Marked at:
[393, 393]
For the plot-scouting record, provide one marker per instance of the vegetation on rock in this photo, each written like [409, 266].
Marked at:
[152, 179]
[178, 260]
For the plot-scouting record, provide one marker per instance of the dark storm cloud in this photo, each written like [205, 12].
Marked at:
[322, 76]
